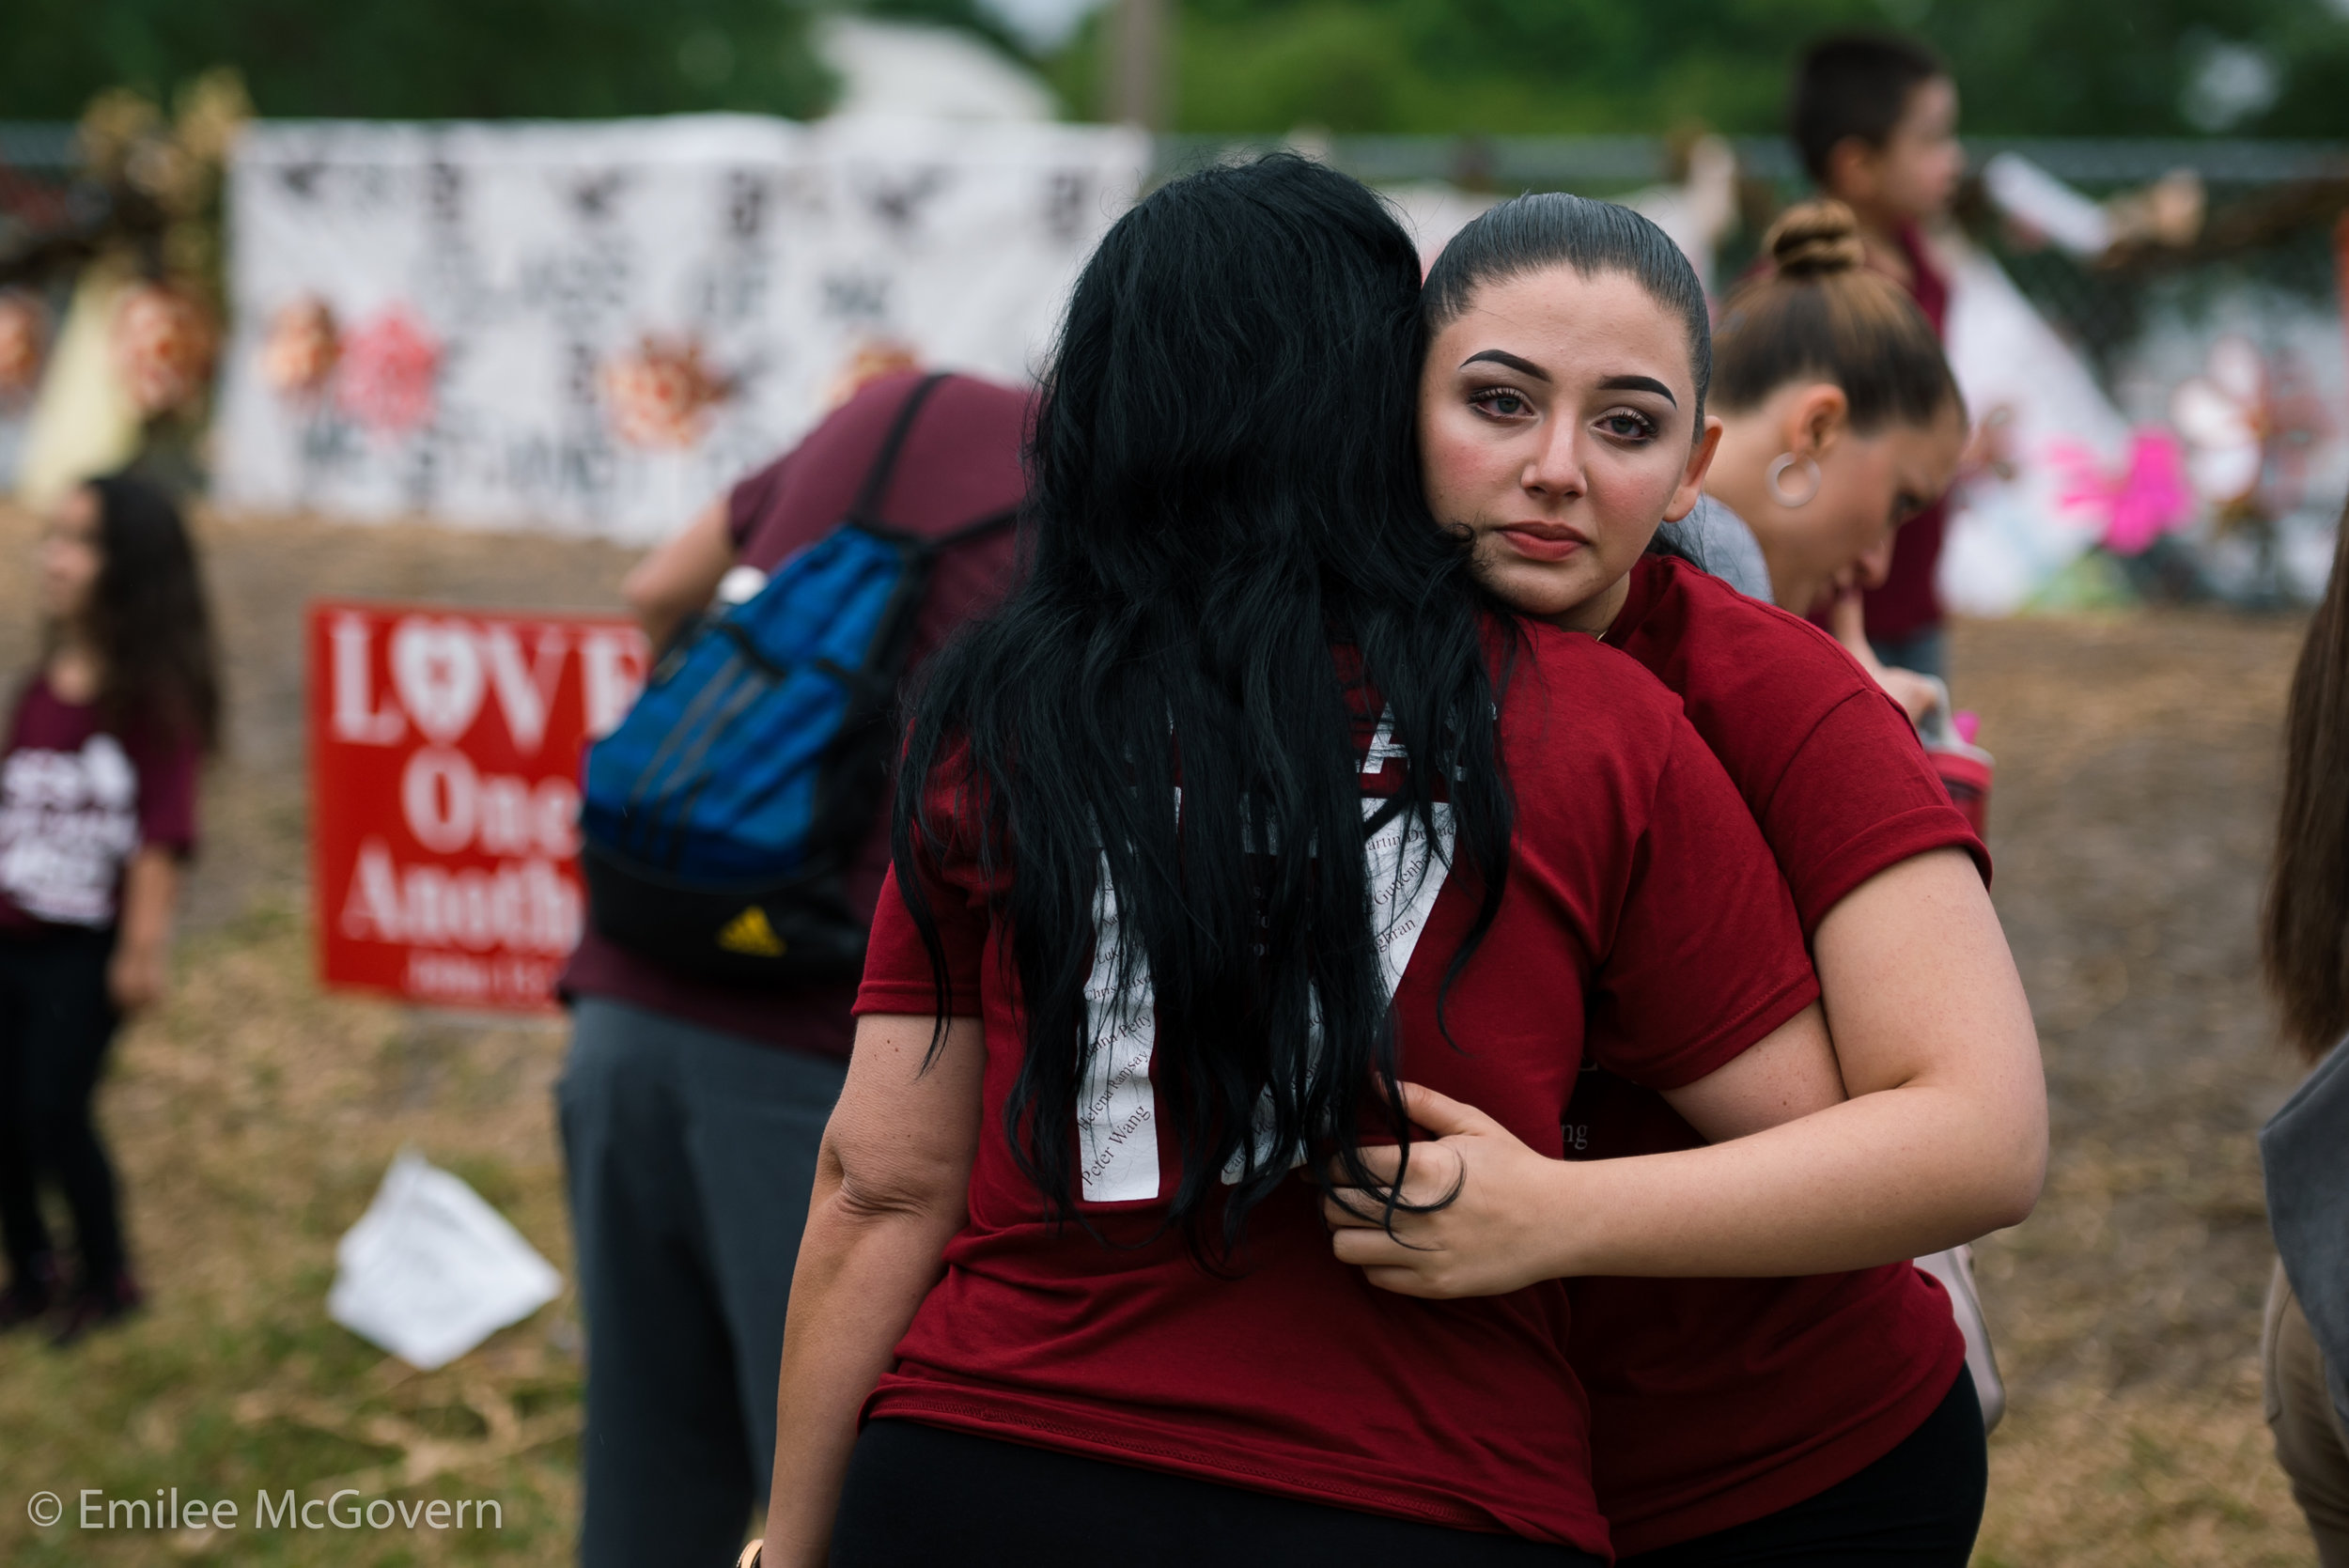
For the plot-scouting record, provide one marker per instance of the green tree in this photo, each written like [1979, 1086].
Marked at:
[2107, 68]
[419, 58]
[2121, 67]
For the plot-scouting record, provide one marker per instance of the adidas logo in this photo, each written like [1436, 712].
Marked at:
[749, 933]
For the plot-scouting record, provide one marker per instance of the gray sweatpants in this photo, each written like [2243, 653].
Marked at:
[690, 1155]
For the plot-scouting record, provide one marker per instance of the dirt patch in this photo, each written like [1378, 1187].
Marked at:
[2137, 763]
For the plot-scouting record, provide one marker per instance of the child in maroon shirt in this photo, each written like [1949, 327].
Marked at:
[97, 811]
[1876, 120]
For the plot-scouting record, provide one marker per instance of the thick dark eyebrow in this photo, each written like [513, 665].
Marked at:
[1639, 383]
[1613, 384]
[1501, 356]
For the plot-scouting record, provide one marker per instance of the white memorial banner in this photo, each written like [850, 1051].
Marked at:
[596, 327]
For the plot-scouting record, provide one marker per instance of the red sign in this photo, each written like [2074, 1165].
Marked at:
[444, 752]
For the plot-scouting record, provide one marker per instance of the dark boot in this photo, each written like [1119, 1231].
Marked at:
[30, 1294]
[95, 1307]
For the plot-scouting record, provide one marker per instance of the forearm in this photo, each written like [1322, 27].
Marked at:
[1885, 1177]
[150, 891]
[676, 579]
[1944, 1138]
[860, 1279]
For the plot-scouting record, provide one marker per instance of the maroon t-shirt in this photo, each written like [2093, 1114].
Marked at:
[78, 799]
[1640, 895]
[1908, 602]
[960, 462]
[1716, 1401]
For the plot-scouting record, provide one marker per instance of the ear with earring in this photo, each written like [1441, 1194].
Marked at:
[1775, 479]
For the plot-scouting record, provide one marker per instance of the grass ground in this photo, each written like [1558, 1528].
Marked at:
[253, 1118]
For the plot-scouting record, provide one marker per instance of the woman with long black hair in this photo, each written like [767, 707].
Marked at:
[97, 811]
[1249, 803]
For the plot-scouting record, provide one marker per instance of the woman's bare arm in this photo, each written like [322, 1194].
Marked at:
[680, 575]
[137, 973]
[1944, 1138]
[892, 1181]
[1917, 695]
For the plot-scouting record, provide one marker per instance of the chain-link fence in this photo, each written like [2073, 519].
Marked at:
[2156, 323]
[2272, 207]
[2264, 267]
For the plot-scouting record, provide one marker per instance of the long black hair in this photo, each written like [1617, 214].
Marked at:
[147, 619]
[1229, 555]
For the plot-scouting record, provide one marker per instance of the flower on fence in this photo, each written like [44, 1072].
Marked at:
[388, 371]
[298, 356]
[2219, 414]
[23, 343]
[660, 395]
[2251, 426]
[2145, 501]
[163, 345]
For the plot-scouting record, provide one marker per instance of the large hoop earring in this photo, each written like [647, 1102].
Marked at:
[1778, 472]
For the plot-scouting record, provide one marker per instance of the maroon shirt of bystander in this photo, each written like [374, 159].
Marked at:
[1908, 602]
[960, 462]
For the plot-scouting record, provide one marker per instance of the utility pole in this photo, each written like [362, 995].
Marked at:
[1135, 75]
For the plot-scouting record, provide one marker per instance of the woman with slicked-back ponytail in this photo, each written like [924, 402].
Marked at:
[1766, 1414]
[2304, 948]
[1251, 804]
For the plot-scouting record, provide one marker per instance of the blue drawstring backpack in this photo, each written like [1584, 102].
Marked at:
[720, 816]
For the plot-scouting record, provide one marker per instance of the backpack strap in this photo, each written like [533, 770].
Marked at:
[864, 508]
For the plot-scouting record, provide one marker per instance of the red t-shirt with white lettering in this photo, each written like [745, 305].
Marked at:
[1640, 894]
[78, 799]
[1716, 1401]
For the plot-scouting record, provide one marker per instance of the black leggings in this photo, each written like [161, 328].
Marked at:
[55, 1021]
[1917, 1507]
[919, 1496]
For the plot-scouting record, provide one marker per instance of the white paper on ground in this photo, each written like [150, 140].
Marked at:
[432, 1270]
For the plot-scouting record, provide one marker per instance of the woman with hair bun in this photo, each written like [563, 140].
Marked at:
[1818, 1411]
[1841, 421]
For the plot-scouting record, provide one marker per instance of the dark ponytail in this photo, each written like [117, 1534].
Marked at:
[1533, 233]
[1223, 490]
